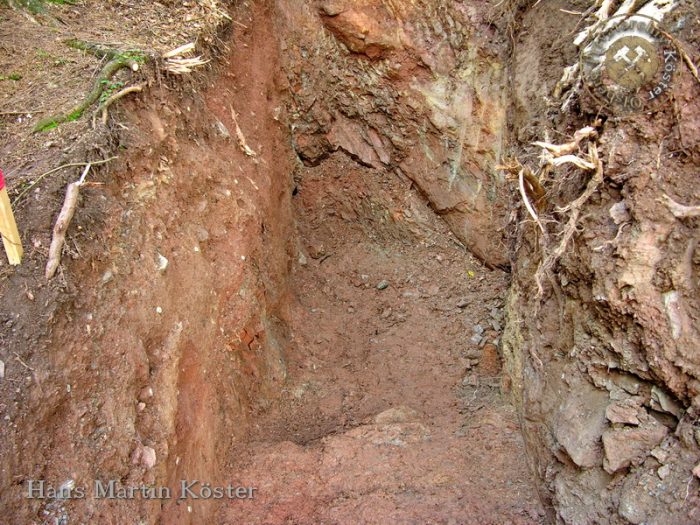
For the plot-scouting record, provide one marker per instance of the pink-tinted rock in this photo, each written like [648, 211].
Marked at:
[624, 412]
[630, 445]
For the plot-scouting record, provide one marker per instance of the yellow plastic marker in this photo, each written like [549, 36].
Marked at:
[8, 227]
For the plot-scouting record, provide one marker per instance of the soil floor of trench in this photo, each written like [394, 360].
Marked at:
[393, 410]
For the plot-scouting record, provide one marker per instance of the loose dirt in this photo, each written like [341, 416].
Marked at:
[390, 414]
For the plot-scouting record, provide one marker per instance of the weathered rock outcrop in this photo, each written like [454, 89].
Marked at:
[606, 367]
[413, 87]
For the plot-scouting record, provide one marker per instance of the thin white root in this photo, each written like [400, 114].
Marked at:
[575, 211]
[573, 159]
[105, 106]
[536, 358]
[523, 194]
[241, 138]
[62, 223]
[680, 211]
[558, 150]
[567, 79]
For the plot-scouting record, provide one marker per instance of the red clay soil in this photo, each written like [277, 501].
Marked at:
[390, 414]
[392, 409]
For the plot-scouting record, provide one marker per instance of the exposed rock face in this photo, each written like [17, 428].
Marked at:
[605, 367]
[415, 87]
[628, 445]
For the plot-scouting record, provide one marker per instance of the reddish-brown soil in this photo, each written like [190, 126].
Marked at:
[390, 414]
[273, 359]
[294, 305]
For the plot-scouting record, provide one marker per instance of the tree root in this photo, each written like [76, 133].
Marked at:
[117, 60]
[574, 209]
[105, 105]
[531, 190]
[526, 200]
[62, 223]
[681, 211]
[241, 138]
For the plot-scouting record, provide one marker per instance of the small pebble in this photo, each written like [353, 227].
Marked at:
[148, 457]
[146, 393]
[383, 285]
[162, 263]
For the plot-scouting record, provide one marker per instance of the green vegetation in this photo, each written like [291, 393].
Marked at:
[11, 76]
[109, 89]
[104, 87]
[35, 6]
[133, 56]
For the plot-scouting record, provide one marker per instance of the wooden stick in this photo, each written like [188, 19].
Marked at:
[62, 223]
[8, 227]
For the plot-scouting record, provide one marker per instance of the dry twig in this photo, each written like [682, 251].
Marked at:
[21, 362]
[54, 170]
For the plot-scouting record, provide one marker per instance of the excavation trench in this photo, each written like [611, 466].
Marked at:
[309, 328]
[366, 375]
[294, 284]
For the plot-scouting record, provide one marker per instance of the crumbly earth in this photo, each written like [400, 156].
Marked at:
[390, 414]
[305, 273]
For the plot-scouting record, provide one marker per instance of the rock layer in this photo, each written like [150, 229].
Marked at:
[412, 87]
